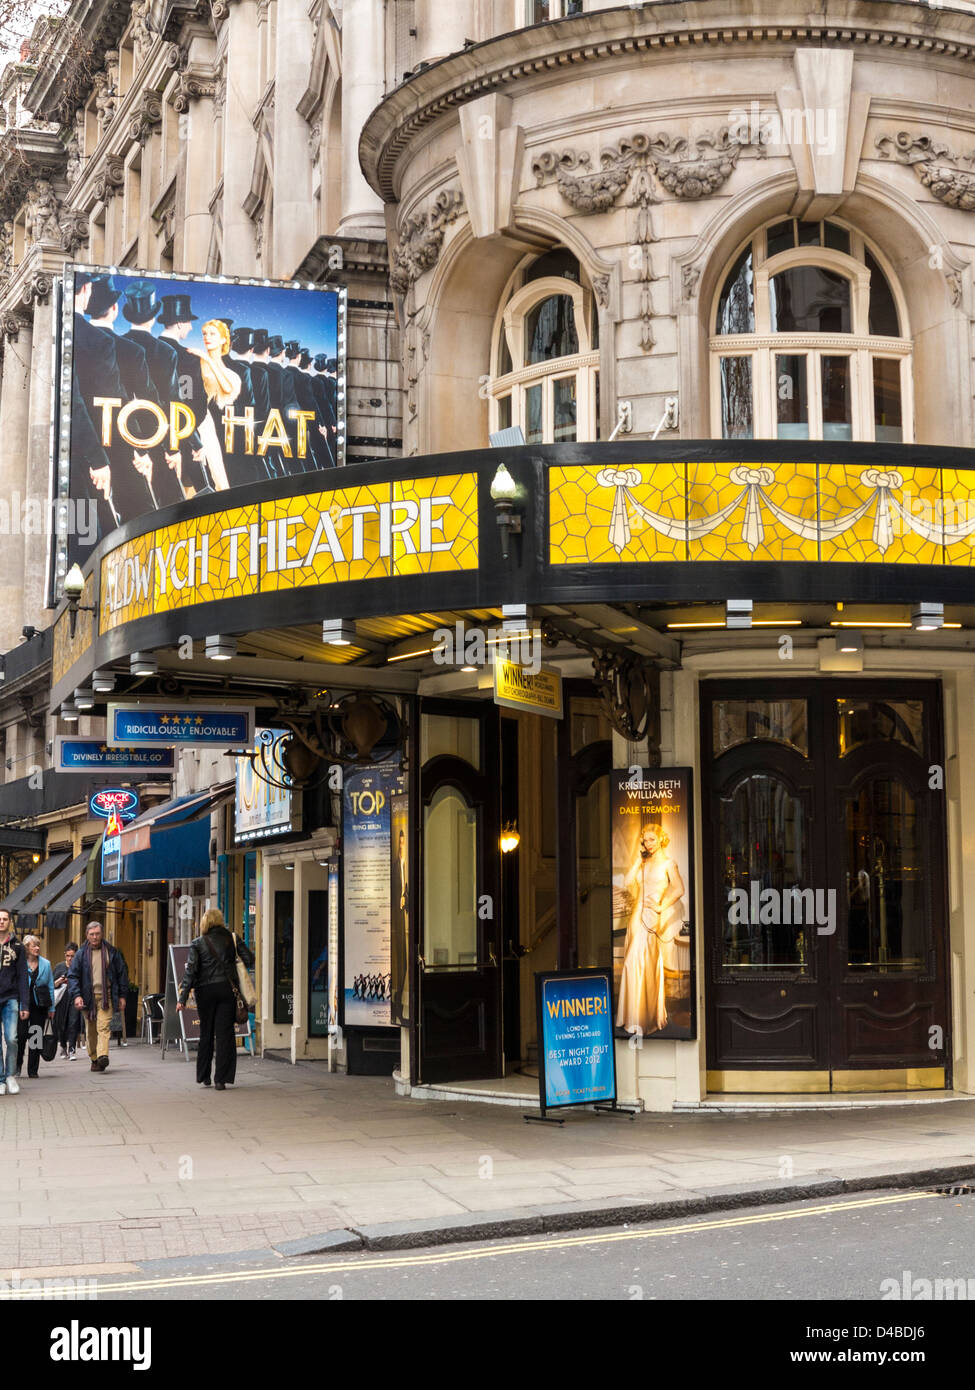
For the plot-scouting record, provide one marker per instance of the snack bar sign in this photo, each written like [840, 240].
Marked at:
[142, 726]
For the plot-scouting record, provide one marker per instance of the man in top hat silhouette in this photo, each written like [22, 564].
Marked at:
[301, 383]
[176, 319]
[283, 398]
[95, 371]
[244, 467]
[107, 365]
[324, 386]
[266, 465]
[140, 309]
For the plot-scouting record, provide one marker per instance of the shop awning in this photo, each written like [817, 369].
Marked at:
[137, 835]
[34, 879]
[58, 884]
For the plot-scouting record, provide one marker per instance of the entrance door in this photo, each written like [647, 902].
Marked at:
[459, 976]
[826, 919]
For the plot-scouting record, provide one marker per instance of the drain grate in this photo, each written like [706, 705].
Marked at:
[958, 1189]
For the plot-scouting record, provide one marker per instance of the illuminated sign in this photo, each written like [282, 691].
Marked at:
[144, 726]
[814, 512]
[169, 395]
[123, 801]
[94, 755]
[536, 692]
[112, 850]
[378, 531]
[262, 807]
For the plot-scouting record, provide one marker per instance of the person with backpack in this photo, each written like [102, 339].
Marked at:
[211, 972]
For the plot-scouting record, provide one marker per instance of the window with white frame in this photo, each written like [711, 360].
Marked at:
[810, 340]
[545, 354]
[538, 11]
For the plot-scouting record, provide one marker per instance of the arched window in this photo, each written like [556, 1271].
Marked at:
[810, 340]
[544, 354]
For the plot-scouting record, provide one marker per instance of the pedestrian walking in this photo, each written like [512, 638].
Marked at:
[210, 968]
[96, 982]
[14, 1003]
[40, 1007]
[67, 1019]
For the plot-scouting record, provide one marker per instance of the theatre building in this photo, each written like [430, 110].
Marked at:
[625, 617]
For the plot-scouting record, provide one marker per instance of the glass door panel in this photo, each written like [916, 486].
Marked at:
[450, 837]
[889, 925]
[763, 836]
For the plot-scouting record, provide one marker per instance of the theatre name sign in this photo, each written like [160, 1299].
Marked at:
[381, 530]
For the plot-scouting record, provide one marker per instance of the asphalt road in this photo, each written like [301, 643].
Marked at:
[865, 1247]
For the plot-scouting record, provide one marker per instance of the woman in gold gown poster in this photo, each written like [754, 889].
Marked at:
[652, 920]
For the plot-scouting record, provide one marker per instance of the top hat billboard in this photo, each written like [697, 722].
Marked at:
[169, 395]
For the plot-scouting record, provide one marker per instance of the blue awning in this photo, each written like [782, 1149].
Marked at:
[140, 834]
[182, 851]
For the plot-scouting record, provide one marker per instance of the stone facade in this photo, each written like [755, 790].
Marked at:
[426, 155]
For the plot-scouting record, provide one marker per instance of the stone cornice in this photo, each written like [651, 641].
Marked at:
[546, 50]
[333, 259]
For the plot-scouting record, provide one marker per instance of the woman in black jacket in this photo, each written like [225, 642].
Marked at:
[210, 967]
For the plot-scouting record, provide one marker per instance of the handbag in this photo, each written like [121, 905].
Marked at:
[244, 982]
[49, 1042]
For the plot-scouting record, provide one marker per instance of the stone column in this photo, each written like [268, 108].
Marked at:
[239, 137]
[38, 461]
[441, 29]
[362, 91]
[194, 104]
[14, 431]
[294, 220]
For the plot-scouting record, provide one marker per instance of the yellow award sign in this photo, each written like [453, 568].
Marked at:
[535, 691]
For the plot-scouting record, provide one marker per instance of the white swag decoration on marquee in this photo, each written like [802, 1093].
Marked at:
[754, 481]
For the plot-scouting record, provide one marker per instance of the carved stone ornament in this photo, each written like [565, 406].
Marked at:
[315, 142]
[111, 178]
[219, 10]
[421, 240]
[11, 325]
[932, 163]
[953, 278]
[141, 32]
[38, 290]
[689, 276]
[193, 89]
[687, 169]
[147, 115]
[41, 214]
[74, 229]
[6, 251]
[600, 288]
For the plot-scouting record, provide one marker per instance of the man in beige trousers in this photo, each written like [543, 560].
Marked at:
[99, 983]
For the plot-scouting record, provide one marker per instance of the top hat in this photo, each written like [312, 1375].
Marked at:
[242, 339]
[81, 279]
[321, 362]
[228, 322]
[304, 360]
[141, 303]
[175, 309]
[292, 349]
[260, 340]
[103, 296]
[276, 344]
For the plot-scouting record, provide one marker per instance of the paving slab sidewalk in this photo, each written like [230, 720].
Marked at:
[140, 1163]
